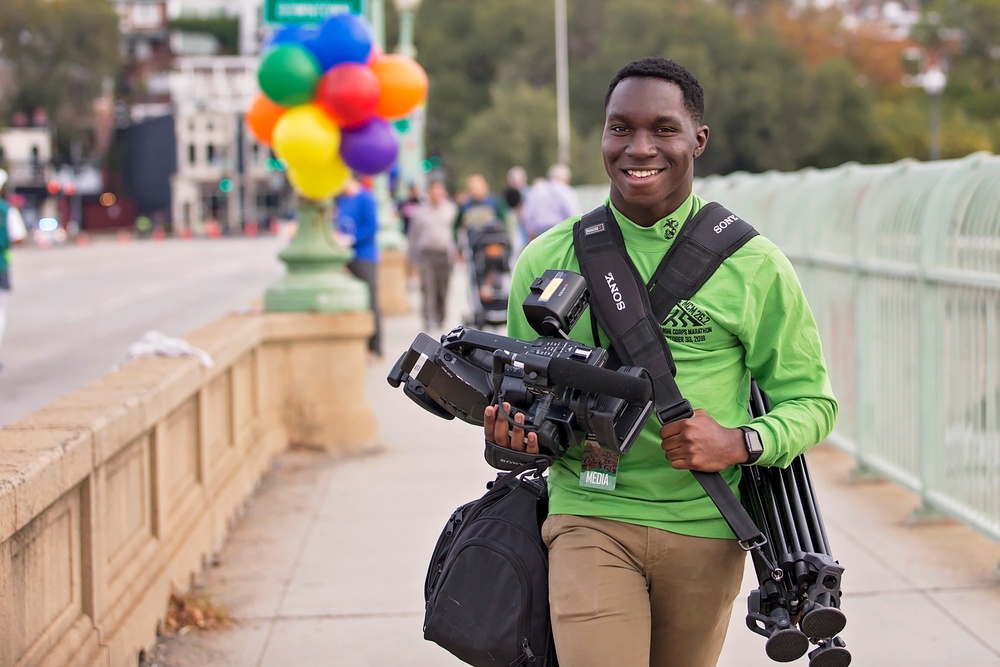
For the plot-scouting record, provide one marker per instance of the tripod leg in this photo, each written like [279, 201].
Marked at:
[831, 653]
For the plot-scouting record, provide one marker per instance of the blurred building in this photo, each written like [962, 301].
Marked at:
[223, 174]
[187, 158]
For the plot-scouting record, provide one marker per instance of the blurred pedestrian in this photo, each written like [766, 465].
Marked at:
[480, 209]
[356, 223]
[430, 238]
[478, 218]
[12, 232]
[513, 196]
[549, 202]
[404, 207]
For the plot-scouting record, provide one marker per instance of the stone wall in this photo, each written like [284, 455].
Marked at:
[114, 495]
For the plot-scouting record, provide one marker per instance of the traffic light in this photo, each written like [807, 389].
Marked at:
[226, 185]
[430, 164]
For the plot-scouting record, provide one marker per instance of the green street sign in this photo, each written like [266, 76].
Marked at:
[307, 11]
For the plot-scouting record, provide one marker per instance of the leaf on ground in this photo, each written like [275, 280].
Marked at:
[187, 612]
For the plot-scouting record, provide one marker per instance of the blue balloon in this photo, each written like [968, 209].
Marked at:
[342, 38]
[370, 148]
[302, 34]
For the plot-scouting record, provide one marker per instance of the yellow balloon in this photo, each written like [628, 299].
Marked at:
[319, 182]
[305, 136]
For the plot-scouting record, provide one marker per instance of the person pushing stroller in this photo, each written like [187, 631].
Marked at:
[482, 235]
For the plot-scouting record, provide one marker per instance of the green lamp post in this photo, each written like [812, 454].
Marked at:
[390, 233]
[316, 280]
[411, 145]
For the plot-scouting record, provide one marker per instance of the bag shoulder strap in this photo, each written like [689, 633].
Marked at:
[626, 313]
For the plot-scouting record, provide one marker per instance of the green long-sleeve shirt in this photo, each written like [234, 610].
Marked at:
[750, 318]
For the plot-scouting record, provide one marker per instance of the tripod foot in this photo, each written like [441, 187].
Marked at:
[823, 622]
[831, 653]
[787, 645]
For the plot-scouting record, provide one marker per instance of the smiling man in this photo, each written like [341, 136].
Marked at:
[643, 568]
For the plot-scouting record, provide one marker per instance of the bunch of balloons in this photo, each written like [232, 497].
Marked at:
[328, 96]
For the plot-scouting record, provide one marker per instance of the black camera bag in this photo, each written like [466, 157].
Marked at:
[487, 591]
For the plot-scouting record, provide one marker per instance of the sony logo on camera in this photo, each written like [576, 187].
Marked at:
[615, 294]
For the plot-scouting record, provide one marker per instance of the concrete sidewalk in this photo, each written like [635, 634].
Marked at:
[326, 566]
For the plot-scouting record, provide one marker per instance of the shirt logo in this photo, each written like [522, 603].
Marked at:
[670, 229]
[593, 229]
[687, 323]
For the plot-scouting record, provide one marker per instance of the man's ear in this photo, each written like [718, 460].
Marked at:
[702, 140]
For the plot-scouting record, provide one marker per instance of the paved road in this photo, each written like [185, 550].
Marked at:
[75, 309]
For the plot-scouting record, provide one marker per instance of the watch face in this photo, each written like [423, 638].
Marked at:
[755, 447]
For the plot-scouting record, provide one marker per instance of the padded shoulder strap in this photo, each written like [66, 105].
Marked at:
[621, 306]
[705, 242]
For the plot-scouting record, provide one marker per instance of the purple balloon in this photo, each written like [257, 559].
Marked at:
[370, 148]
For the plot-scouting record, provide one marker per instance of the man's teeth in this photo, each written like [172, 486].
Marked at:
[641, 174]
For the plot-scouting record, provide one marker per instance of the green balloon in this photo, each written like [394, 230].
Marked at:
[288, 75]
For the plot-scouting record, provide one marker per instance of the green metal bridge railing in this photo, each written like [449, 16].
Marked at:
[901, 265]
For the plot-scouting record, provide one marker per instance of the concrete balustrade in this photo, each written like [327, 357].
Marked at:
[114, 495]
[392, 291]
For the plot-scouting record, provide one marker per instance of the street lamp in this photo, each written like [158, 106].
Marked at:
[407, 10]
[411, 140]
[934, 80]
[562, 82]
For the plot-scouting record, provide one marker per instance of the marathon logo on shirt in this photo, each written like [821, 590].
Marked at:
[594, 229]
[687, 323]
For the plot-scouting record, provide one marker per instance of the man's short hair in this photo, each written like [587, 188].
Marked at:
[662, 68]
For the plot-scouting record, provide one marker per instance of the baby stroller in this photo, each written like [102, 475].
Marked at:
[487, 257]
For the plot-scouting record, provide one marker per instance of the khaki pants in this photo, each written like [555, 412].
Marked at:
[632, 596]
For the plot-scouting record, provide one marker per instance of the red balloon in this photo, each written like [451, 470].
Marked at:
[349, 93]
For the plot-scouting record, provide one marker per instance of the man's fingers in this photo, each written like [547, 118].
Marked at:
[499, 431]
[532, 440]
[501, 428]
[517, 434]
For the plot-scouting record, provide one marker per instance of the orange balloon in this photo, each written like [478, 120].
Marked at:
[262, 116]
[403, 83]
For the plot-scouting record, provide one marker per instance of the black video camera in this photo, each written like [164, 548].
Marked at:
[563, 388]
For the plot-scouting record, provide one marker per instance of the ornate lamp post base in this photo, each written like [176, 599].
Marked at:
[316, 280]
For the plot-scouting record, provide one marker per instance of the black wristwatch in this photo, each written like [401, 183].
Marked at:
[751, 440]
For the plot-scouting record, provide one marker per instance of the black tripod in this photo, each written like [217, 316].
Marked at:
[798, 600]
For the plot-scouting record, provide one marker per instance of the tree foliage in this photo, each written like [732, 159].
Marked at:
[63, 54]
[784, 89]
